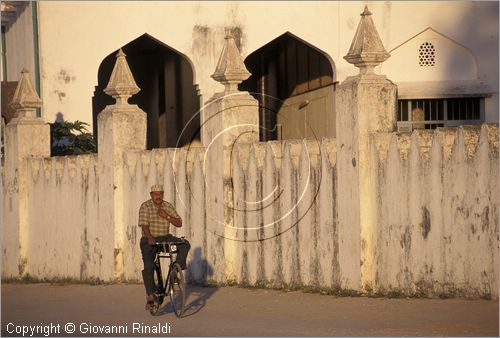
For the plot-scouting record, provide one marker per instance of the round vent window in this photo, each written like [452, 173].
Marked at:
[427, 55]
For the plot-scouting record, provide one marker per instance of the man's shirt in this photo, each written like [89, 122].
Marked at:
[148, 216]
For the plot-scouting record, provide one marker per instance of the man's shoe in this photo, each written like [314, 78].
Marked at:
[149, 305]
[150, 302]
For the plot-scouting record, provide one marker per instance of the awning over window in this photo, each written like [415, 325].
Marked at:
[444, 89]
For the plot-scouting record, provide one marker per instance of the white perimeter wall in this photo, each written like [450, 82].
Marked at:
[64, 237]
[437, 197]
[437, 220]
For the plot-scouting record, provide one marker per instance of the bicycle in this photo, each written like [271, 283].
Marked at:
[174, 285]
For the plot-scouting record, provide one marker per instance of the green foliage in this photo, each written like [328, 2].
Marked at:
[71, 138]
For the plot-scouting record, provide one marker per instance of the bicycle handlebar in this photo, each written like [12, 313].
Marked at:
[169, 246]
[182, 241]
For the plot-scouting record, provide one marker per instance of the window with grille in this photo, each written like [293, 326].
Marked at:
[433, 113]
[427, 54]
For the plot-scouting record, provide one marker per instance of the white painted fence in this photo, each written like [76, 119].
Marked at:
[437, 222]
[436, 229]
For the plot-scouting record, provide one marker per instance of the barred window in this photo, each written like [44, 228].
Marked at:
[427, 54]
[433, 113]
[463, 109]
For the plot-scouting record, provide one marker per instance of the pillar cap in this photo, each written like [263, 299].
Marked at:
[367, 50]
[25, 100]
[121, 84]
[230, 70]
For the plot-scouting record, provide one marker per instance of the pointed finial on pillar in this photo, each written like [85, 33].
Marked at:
[230, 70]
[121, 85]
[367, 50]
[25, 100]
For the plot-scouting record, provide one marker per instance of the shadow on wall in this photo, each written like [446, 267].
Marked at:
[198, 268]
[59, 117]
[476, 29]
[479, 35]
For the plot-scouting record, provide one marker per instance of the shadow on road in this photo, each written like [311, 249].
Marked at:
[200, 295]
[196, 296]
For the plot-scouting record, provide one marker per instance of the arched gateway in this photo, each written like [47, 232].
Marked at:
[168, 94]
[294, 83]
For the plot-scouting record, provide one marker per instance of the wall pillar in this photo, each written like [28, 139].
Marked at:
[122, 127]
[230, 117]
[366, 104]
[25, 136]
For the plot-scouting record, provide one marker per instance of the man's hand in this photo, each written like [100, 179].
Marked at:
[151, 240]
[173, 220]
[163, 214]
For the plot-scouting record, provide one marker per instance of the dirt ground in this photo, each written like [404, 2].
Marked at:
[230, 311]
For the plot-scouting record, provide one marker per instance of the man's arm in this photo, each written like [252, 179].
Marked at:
[173, 219]
[144, 224]
[145, 230]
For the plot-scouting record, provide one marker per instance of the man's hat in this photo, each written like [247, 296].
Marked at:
[157, 187]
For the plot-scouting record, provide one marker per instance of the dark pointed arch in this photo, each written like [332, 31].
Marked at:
[168, 94]
[283, 68]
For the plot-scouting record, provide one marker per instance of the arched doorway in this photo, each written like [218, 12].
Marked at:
[167, 95]
[294, 83]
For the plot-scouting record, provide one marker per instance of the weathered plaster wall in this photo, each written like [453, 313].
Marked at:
[284, 214]
[196, 29]
[65, 239]
[20, 146]
[437, 221]
[181, 172]
[283, 209]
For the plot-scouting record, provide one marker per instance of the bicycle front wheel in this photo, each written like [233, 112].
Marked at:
[177, 289]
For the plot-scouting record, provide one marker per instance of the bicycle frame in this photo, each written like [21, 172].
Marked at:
[174, 283]
[164, 251]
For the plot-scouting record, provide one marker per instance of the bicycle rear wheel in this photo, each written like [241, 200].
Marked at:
[177, 289]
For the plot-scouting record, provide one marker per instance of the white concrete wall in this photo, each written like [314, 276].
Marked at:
[434, 230]
[76, 36]
[284, 213]
[437, 222]
[65, 240]
[181, 173]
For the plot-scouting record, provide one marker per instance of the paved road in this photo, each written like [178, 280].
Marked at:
[231, 311]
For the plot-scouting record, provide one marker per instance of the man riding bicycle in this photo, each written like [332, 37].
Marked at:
[155, 217]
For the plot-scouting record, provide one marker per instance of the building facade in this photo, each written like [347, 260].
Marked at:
[444, 60]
